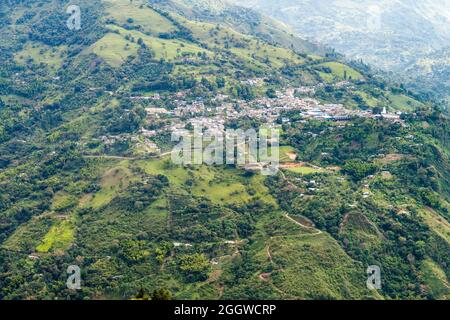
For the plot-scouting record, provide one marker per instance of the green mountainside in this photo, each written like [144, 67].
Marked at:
[83, 182]
[241, 19]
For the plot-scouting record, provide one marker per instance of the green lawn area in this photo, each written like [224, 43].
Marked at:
[276, 56]
[305, 170]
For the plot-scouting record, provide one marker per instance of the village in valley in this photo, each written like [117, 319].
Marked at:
[214, 114]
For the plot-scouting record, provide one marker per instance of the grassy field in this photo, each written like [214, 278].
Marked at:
[327, 77]
[368, 99]
[164, 48]
[112, 182]
[437, 223]
[243, 46]
[176, 175]
[219, 189]
[59, 237]
[435, 279]
[229, 187]
[114, 49]
[38, 53]
[29, 235]
[305, 170]
[404, 103]
[149, 20]
[217, 183]
[338, 72]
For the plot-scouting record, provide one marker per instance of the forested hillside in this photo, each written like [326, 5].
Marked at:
[86, 176]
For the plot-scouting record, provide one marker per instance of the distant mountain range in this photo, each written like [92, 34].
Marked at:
[410, 37]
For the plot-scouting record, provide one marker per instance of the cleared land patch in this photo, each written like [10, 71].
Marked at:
[114, 49]
[141, 16]
[59, 237]
[39, 53]
[339, 71]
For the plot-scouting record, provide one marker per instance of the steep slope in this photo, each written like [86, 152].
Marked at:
[241, 19]
[85, 177]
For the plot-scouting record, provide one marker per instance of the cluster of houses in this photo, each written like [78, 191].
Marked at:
[271, 111]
